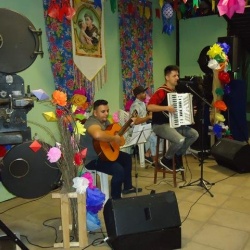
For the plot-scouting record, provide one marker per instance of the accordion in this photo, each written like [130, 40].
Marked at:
[183, 104]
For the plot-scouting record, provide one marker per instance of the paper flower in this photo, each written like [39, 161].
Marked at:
[35, 146]
[128, 105]
[40, 94]
[78, 100]
[213, 64]
[80, 184]
[78, 159]
[225, 47]
[227, 89]
[59, 98]
[94, 200]
[81, 91]
[217, 129]
[220, 105]
[93, 222]
[89, 177]
[219, 117]
[229, 7]
[115, 116]
[3, 151]
[224, 77]
[54, 154]
[214, 51]
[219, 91]
[50, 116]
[79, 128]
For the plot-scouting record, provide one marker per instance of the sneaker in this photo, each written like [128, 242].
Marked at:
[167, 163]
[131, 190]
[179, 162]
[149, 160]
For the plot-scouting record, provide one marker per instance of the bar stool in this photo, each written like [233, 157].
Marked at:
[158, 167]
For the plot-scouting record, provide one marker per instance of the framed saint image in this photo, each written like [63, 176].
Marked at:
[87, 29]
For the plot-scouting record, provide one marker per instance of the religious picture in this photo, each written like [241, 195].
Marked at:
[87, 29]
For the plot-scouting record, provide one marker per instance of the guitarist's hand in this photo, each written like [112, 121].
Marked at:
[118, 139]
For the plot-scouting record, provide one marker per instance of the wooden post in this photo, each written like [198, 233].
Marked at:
[66, 223]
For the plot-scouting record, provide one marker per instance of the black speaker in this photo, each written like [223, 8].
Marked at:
[232, 154]
[150, 222]
[233, 53]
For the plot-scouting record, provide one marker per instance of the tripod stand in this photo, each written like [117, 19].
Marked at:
[201, 182]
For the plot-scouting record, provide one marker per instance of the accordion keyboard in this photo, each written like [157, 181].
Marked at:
[183, 104]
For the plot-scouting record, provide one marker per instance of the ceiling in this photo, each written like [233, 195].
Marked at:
[239, 26]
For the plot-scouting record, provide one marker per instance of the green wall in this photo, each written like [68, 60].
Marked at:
[195, 34]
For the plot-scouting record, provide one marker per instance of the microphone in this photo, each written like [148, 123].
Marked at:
[184, 82]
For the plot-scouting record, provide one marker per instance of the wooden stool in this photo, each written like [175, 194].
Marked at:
[161, 169]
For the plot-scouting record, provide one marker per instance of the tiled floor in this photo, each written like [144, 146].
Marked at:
[219, 222]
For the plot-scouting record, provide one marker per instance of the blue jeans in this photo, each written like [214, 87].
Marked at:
[120, 170]
[180, 138]
[151, 143]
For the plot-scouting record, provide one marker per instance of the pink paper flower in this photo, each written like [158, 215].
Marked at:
[80, 92]
[115, 117]
[89, 177]
[54, 154]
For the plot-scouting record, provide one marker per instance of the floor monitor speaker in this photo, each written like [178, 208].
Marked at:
[232, 154]
[150, 222]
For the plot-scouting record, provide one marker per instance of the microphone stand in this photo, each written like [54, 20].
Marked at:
[12, 236]
[201, 182]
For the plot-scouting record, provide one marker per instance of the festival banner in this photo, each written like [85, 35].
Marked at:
[88, 41]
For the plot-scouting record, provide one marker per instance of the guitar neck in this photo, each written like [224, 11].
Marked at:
[124, 127]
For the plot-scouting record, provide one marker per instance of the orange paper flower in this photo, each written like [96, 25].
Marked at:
[220, 105]
[59, 98]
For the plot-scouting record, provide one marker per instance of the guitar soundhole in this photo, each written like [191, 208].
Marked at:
[111, 147]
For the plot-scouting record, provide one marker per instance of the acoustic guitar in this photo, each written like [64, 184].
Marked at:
[109, 151]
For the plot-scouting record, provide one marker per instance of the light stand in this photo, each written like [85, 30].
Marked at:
[201, 182]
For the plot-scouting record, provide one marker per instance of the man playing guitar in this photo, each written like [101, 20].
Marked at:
[102, 141]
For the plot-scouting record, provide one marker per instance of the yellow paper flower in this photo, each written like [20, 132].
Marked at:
[78, 100]
[219, 117]
[59, 98]
[79, 128]
[214, 50]
[73, 108]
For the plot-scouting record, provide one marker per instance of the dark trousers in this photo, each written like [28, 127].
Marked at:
[120, 170]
